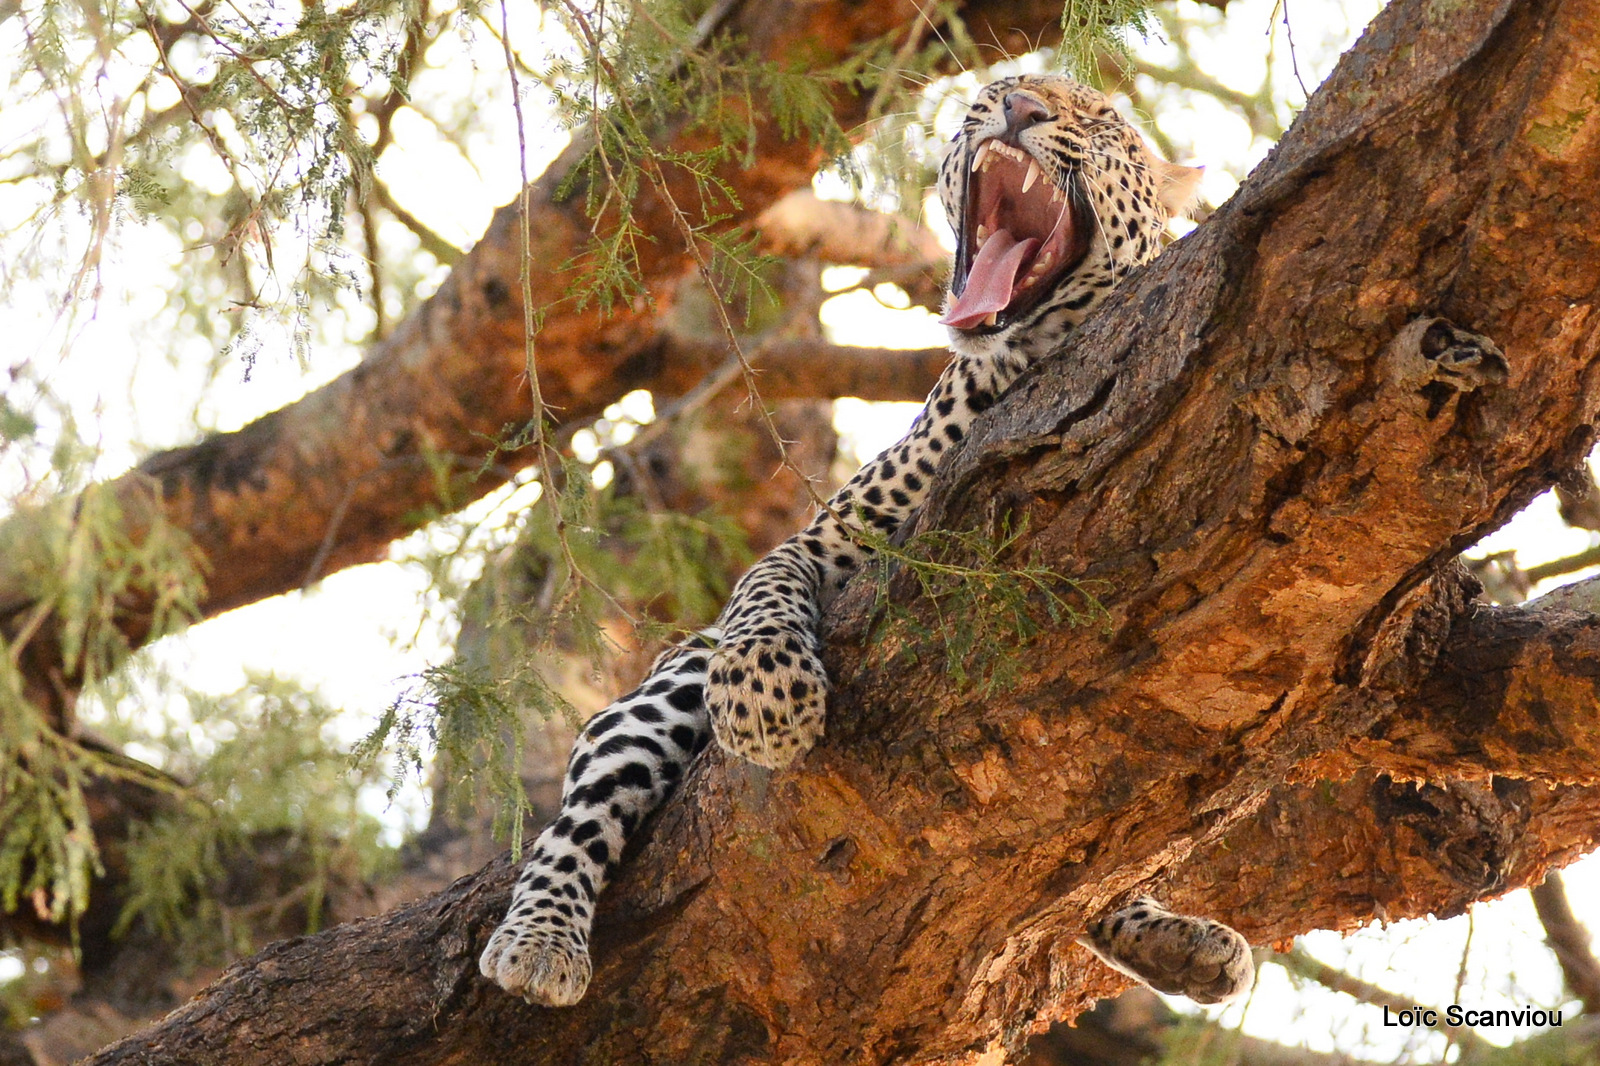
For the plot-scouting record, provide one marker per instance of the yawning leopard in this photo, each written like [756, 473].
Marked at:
[1054, 199]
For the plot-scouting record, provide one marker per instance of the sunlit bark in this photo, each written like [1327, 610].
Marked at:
[1267, 473]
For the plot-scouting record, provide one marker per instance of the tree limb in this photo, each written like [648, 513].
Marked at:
[1265, 455]
[1569, 940]
[432, 243]
[1512, 694]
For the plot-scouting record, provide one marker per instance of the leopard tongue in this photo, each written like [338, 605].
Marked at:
[991, 279]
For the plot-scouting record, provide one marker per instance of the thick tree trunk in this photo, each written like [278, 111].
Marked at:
[1268, 473]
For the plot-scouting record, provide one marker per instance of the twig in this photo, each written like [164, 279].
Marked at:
[1560, 567]
[435, 245]
[1288, 30]
[1569, 940]
[1300, 963]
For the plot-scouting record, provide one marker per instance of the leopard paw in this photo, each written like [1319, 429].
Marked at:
[545, 966]
[1174, 953]
[767, 697]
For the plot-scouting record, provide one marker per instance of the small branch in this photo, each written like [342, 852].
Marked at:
[1301, 963]
[1257, 111]
[1569, 940]
[417, 40]
[804, 225]
[432, 243]
[1561, 567]
[369, 237]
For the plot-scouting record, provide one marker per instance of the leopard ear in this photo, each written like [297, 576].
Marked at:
[1177, 186]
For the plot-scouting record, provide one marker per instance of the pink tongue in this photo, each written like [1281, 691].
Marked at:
[989, 282]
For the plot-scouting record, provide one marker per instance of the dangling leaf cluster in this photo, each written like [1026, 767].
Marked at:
[263, 90]
[640, 68]
[574, 565]
[82, 572]
[1091, 29]
[270, 816]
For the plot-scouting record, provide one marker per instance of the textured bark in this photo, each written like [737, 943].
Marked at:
[1268, 476]
[721, 459]
[1515, 692]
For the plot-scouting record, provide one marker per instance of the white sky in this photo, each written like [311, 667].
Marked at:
[359, 635]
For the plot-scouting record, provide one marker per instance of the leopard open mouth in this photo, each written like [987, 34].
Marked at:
[1020, 235]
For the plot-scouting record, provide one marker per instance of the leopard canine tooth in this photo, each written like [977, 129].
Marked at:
[989, 319]
[1032, 175]
[981, 154]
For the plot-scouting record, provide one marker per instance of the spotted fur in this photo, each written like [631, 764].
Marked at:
[762, 691]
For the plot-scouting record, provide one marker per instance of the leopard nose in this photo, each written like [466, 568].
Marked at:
[1023, 111]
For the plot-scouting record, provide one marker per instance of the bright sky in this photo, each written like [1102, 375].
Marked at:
[360, 635]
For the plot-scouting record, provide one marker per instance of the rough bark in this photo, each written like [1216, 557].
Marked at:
[1267, 474]
[1512, 694]
[720, 459]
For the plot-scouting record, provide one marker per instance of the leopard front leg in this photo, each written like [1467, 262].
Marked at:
[767, 690]
[624, 764]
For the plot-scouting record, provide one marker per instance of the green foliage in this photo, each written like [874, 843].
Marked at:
[570, 569]
[271, 802]
[265, 90]
[982, 606]
[471, 726]
[639, 69]
[80, 570]
[270, 100]
[1091, 28]
[47, 847]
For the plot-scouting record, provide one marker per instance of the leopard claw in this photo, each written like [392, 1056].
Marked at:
[545, 967]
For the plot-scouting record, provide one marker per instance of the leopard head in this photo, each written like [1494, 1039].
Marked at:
[1054, 198]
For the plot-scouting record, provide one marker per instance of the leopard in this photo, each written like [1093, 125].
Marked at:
[1054, 198]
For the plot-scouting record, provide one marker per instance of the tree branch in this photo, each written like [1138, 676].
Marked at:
[804, 225]
[1513, 694]
[432, 243]
[1569, 940]
[1266, 469]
